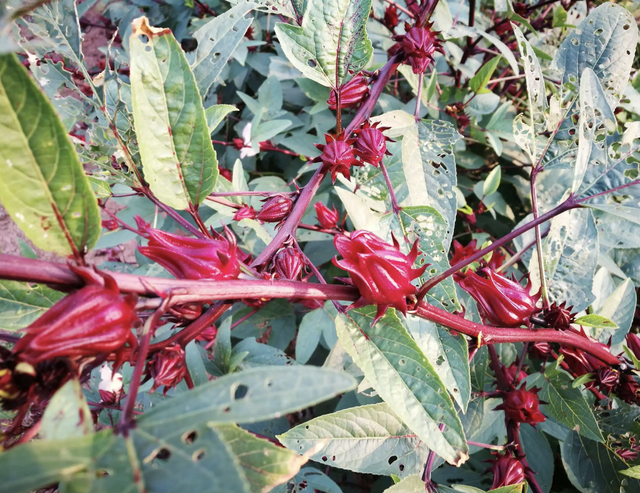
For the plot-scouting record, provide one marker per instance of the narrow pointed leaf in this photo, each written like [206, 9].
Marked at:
[59, 213]
[401, 374]
[178, 159]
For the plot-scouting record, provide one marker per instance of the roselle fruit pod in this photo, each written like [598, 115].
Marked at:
[501, 301]
[192, 258]
[581, 363]
[371, 145]
[522, 406]
[381, 272]
[245, 212]
[420, 45]
[391, 17]
[288, 263]
[510, 372]
[351, 94]
[338, 156]
[506, 471]
[275, 209]
[168, 367]
[94, 320]
[327, 218]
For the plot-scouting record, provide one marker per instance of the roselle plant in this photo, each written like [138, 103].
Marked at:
[320, 245]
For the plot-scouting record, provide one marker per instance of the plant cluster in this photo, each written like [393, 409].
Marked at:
[320, 245]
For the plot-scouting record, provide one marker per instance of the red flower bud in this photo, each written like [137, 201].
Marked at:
[338, 156]
[288, 263]
[167, 367]
[371, 144]
[510, 372]
[558, 316]
[327, 218]
[628, 388]
[208, 334]
[607, 378]
[381, 272]
[540, 350]
[110, 224]
[501, 301]
[226, 172]
[461, 253]
[419, 45]
[93, 320]
[191, 258]
[245, 212]
[506, 471]
[633, 342]
[522, 406]
[627, 454]
[391, 17]
[351, 94]
[275, 209]
[581, 363]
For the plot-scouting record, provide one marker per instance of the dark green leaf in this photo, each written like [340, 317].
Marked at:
[482, 77]
[21, 303]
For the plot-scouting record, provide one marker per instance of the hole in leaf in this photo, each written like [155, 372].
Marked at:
[198, 455]
[143, 38]
[189, 437]
[163, 454]
[102, 473]
[240, 392]
[401, 467]
[312, 63]
[324, 458]
[392, 459]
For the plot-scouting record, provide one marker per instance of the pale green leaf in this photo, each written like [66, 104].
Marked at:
[492, 182]
[216, 113]
[67, 415]
[178, 159]
[264, 464]
[22, 303]
[368, 439]
[60, 212]
[619, 307]
[410, 484]
[534, 78]
[597, 321]
[309, 332]
[403, 377]
[632, 472]
[288, 8]
[332, 44]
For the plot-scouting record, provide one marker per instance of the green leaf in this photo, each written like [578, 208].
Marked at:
[570, 253]
[593, 468]
[597, 321]
[368, 439]
[222, 346]
[403, 377]
[619, 308]
[217, 40]
[492, 182]
[410, 484]
[448, 354]
[253, 395]
[478, 82]
[539, 455]
[59, 213]
[216, 113]
[567, 405]
[309, 333]
[288, 8]
[178, 159]
[428, 226]
[22, 303]
[67, 415]
[605, 42]
[264, 464]
[559, 16]
[632, 472]
[195, 357]
[332, 45]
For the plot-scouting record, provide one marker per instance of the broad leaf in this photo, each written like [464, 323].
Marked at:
[332, 44]
[59, 213]
[289, 8]
[67, 414]
[410, 484]
[448, 354]
[368, 439]
[264, 464]
[178, 159]
[620, 309]
[535, 80]
[596, 321]
[566, 404]
[22, 303]
[250, 396]
[217, 40]
[401, 374]
[593, 468]
[216, 113]
[570, 253]
[478, 82]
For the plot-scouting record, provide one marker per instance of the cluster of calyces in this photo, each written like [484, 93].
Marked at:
[521, 405]
[420, 44]
[380, 271]
[167, 367]
[351, 94]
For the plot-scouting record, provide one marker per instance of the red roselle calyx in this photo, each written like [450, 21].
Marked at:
[288, 263]
[540, 350]
[337, 155]
[371, 144]
[501, 301]
[275, 209]
[419, 45]
[633, 343]
[352, 93]
[245, 212]
[506, 471]
[522, 406]
[391, 17]
[381, 272]
[559, 316]
[192, 258]
[168, 367]
[93, 320]
[208, 334]
[327, 218]
[510, 372]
